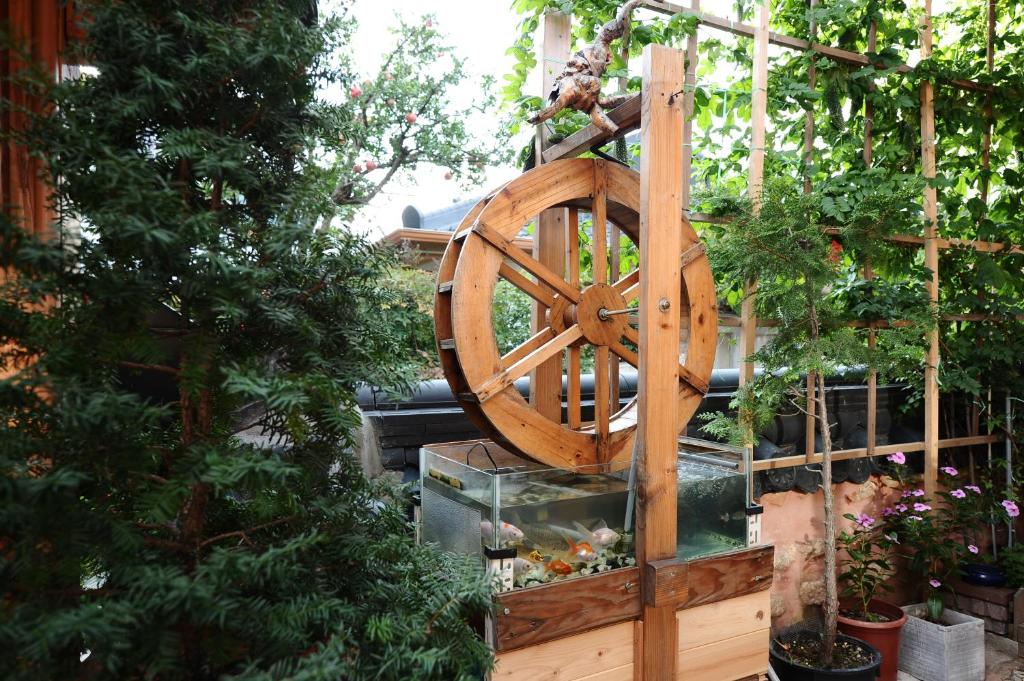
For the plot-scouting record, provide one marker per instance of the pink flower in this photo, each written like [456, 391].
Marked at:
[1011, 508]
[973, 488]
[902, 508]
[918, 492]
[898, 457]
[972, 548]
[958, 494]
[935, 583]
[921, 508]
[888, 511]
[865, 521]
[949, 470]
[914, 517]
[906, 493]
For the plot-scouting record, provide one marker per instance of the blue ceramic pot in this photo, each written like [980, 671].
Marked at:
[981, 574]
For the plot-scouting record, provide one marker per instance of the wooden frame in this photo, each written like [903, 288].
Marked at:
[627, 116]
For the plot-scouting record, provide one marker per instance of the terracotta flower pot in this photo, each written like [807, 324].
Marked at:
[885, 636]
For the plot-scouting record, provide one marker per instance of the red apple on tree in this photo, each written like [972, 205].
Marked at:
[355, 92]
[371, 165]
[357, 168]
[449, 175]
[410, 118]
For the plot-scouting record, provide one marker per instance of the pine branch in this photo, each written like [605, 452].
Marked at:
[244, 534]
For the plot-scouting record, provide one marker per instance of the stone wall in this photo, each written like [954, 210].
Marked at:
[793, 522]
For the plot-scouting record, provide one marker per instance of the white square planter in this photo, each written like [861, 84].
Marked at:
[952, 651]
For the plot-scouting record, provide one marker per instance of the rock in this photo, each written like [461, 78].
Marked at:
[889, 482]
[863, 492]
[812, 592]
[778, 605]
[784, 558]
[815, 548]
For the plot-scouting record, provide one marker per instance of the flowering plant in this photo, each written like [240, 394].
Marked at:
[866, 569]
[935, 540]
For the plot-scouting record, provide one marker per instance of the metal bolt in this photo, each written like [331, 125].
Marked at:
[664, 305]
[604, 313]
[628, 586]
[507, 611]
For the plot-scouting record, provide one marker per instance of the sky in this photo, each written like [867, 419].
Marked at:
[481, 31]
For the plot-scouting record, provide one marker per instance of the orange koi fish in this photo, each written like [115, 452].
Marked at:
[583, 551]
[559, 567]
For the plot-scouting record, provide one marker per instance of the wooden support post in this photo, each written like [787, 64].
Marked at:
[812, 80]
[549, 238]
[869, 273]
[931, 261]
[660, 246]
[755, 179]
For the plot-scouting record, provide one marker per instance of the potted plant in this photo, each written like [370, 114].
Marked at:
[781, 241]
[939, 644]
[866, 572]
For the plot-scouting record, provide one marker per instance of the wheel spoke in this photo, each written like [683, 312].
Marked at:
[525, 348]
[504, 379]
[685, 375]
[601, 404]
[572, 247]
[613, 376]
[629, 286]
[521, 282]
[599, 218]
[573, 398]
[526, 261]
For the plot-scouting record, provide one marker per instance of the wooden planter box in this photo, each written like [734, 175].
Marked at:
[952, 651]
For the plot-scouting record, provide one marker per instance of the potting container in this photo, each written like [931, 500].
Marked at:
[787, 670]
[885, 636]
[951, 651]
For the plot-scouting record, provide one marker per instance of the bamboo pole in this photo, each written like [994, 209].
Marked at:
[755, 178]
[931, 261]
[660, 245]
[869, 273]
[812, 80]
[549, 239]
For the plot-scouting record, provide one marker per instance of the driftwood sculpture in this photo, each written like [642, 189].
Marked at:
[579, 85]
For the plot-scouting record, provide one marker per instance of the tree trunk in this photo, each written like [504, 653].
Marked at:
[831, 606]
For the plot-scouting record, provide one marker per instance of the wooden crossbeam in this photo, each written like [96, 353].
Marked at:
[881, 450]
[748, 31]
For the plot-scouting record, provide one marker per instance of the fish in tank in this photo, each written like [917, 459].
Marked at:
[711, 507]
[562, 523]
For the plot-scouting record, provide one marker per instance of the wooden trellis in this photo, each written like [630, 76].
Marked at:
[627, 116]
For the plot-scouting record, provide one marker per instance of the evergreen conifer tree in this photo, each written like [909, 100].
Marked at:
[142, 538]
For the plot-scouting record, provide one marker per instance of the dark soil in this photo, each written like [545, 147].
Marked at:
[873, 617]
[805, 649]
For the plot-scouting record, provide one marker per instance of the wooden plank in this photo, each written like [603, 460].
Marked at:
[715, 622]
[670, 580]
[549, 237]
[689, 95]
[528, 617]
[731, 659]
[526, 347]
[569, 659]
[883, 450]
[573, 398]
[626, 116]
[504, 379]
[722, 577]
[526, 285]
[739, 28]
[543, 272]
[658, 388]
[931, 261]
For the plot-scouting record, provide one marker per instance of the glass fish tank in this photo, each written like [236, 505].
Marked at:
[711, 504]
[477, 497]
[554, 524]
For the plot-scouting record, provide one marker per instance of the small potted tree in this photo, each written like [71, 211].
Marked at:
[867, 569]
[783, 242]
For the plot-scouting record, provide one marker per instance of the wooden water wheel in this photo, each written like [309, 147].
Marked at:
[578, 313]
